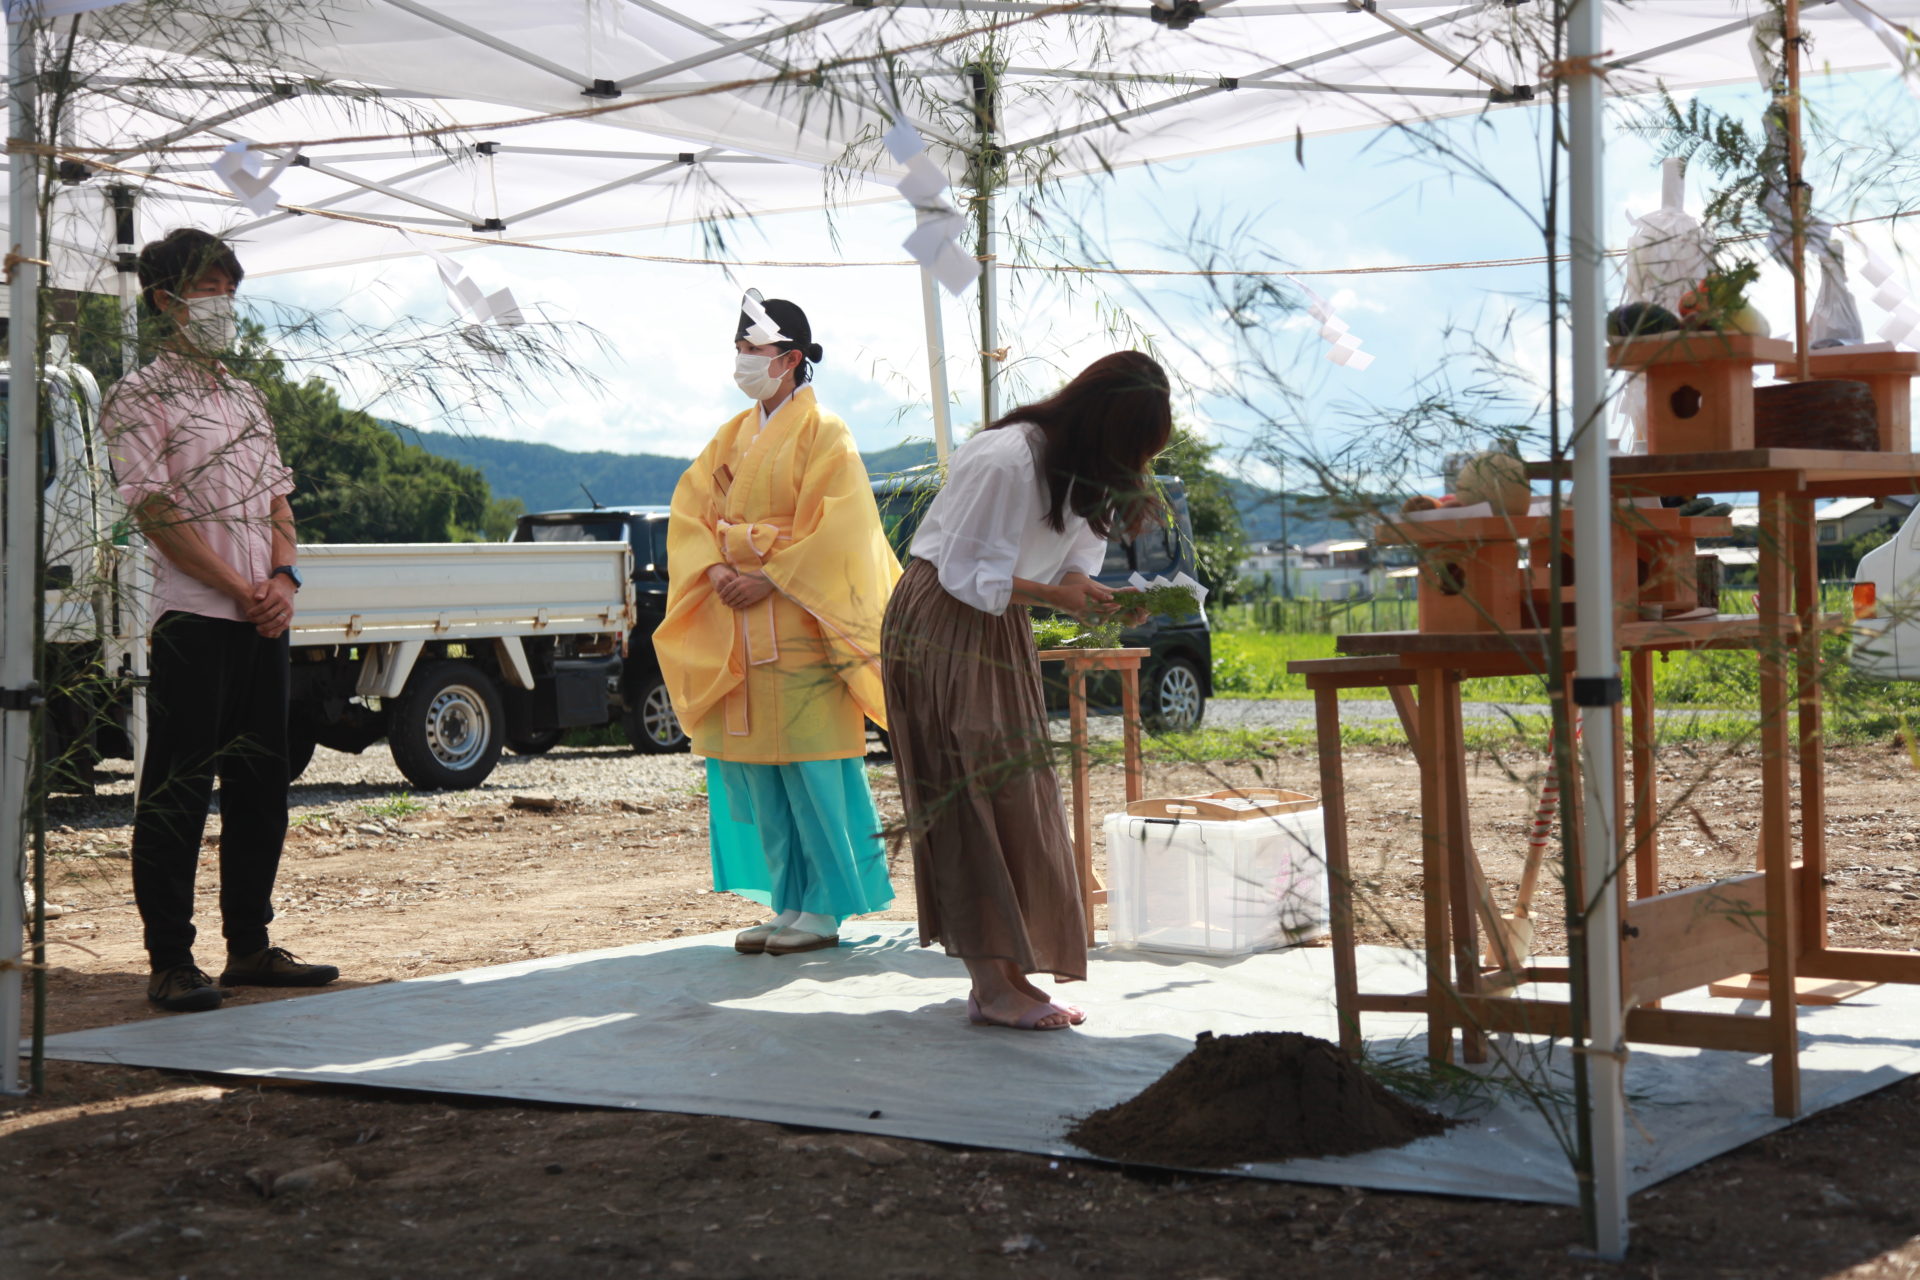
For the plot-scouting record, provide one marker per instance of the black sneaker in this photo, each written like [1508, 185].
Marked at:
[183, 989]
[275, 967]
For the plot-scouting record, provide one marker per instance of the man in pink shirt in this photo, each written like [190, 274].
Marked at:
[195, 459]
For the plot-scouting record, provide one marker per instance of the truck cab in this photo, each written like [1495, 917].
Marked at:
[636, 691]
[89, 660]
[442, 650]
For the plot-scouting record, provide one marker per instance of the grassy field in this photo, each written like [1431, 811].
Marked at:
[1723, 686]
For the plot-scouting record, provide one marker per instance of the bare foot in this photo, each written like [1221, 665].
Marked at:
[1074, 1011]
[1016, 1009]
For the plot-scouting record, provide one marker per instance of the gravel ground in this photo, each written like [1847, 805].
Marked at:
[615, 773]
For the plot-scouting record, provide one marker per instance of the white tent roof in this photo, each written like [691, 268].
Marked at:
[698, 129]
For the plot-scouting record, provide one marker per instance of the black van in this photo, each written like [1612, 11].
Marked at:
[1177, 680]
[636, 693]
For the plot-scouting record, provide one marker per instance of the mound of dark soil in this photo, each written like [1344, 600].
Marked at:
[1272, 1095]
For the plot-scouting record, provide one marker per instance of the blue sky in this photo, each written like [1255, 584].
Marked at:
[662, 383]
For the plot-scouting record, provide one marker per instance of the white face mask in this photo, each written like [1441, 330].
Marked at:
[752, 376]
[212, 324]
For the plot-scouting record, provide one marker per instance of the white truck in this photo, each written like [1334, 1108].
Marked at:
[447, 651]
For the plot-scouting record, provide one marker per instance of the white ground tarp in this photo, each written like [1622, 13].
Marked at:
[873, 1038]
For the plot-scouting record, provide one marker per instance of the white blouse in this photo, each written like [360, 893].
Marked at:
[988, 526]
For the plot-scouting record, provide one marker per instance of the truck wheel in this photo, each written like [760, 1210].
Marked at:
[446, 726]
[535, 744]
[299, 753]
[1174, 698]
[651, 725]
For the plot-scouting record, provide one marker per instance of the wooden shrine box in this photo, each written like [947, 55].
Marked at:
[1470, 577]
[1699, 386]
[1664, 546]
[1885, 369]
[1626, 572]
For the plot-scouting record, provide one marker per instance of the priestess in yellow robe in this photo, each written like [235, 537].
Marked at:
[776, 694]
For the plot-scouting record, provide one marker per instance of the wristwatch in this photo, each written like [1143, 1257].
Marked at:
[293, 575]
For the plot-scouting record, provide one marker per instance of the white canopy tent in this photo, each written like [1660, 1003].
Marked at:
[653, 114]
[700, 115]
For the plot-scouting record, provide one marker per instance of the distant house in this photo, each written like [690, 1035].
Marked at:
[1837, 524]
[1333, 569]
[1271, 569]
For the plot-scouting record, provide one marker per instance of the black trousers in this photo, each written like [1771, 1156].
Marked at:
[216, 707]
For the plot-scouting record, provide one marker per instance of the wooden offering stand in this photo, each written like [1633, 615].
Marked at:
[1470, 577]
[1757, 935]
[1080, 664]
[1699, 386]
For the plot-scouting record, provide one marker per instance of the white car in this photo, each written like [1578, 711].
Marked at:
[1886, 606]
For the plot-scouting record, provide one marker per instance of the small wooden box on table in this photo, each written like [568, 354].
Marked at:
[1471, 579]
[1772, 923]
[1082, 663]
[1699, 386]
[1665, 545]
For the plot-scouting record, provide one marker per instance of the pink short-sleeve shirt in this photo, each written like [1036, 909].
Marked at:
[201, 438]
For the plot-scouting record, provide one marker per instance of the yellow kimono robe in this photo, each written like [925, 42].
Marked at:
[795, 676]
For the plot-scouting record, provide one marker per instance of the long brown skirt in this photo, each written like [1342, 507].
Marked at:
[992, 861]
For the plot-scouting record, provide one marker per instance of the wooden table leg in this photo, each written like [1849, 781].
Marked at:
[1809, 883]
[1646, 814]
[1130, 730]
[1464, 883]
[1813, 770]
[1333, 811]
[1409, 714]
[1774, 602]
[1082, 835]
[1623, 850]
[1436, 829]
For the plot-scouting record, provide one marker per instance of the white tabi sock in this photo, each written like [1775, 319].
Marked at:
[808, 922]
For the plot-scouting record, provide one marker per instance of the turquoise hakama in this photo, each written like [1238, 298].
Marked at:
[797, 837]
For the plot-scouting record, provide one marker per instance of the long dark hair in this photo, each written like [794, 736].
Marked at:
[1103, 430]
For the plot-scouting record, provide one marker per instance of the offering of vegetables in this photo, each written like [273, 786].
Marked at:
[1720, 302]
[1498, 479]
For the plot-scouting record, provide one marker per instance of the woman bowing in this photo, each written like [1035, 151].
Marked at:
[1023, 519]
[779, 574]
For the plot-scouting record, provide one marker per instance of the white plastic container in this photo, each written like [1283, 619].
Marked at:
[1220, 875]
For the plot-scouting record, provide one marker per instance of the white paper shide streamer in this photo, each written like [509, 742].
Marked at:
[761, 330]
[483, 308]
[1343, 347]
[1903, 317]
[239, 167]
[936, 242]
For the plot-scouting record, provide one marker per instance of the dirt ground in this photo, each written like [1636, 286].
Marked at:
[119, 1172]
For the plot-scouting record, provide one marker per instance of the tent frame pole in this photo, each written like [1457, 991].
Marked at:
[1596, 684]
[936, 367]
[1796, 187]
[986, 164]
[19, 547]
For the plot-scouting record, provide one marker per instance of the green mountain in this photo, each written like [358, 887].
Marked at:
[546, 478]
[1307, 518]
